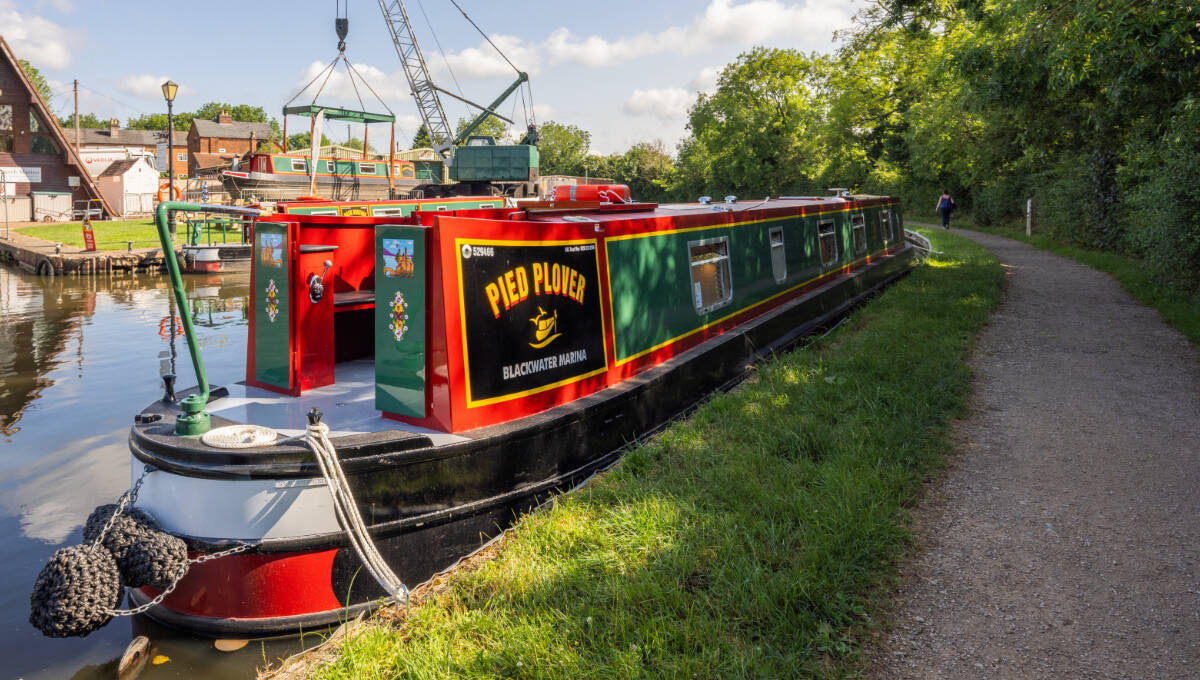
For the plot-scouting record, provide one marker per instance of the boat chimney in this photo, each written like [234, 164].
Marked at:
[840, 192]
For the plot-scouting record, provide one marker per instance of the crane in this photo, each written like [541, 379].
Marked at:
[486, 164]
[425, 92]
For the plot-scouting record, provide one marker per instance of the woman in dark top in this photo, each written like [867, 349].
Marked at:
[945, 206]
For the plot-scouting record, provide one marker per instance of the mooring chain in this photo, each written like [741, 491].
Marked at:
[241, 547]
[127, 499]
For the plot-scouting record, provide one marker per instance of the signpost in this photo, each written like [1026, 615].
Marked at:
[89, 236]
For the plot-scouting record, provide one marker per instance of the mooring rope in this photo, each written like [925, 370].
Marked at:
[346, 510]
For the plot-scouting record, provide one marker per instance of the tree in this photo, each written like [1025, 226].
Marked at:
[87, 120]
[158, 121]
[421, 139]
[303, 140]
[491, 126]
[563, 149]
[758, 133]
[35, 77]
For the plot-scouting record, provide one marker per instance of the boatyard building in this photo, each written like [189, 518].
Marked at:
[41, 175]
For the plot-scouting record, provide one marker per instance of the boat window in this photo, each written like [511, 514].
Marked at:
[407, 172]
[828, 241]
[885, 225]
[329, 166]
[778, 258]
[858, 228]
[298, 165]
[385, 212]
[486, 205]
[712, 283]
[323, 211]
[366, 168]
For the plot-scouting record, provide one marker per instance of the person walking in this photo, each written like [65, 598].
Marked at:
[946, 206]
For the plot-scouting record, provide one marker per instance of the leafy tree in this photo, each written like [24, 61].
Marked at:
[158, 121]
[563, 149]
[303, 140]
[421, 139]
[757, 134]
[491, 126]
[35, 77]
[87, 120]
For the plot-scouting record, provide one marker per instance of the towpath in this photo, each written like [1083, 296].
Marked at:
[1064, 539]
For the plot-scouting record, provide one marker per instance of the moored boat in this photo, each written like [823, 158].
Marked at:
[283, 176]
[469, 363]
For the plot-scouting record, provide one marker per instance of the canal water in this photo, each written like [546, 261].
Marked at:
[78, 358]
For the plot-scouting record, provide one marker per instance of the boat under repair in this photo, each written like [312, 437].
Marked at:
[463, 365]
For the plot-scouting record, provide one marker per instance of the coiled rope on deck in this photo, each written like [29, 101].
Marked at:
[346, 509]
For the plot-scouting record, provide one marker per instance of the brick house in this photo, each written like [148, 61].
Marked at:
[179, 155]
[212, 144]
[44, 177]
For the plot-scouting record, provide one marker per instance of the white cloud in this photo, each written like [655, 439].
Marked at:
[482, 61]
[666, 103]
[148, 86]
[41, 42]
[723, 22]
[339, 90]
[706, 81]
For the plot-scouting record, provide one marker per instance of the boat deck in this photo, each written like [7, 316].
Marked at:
[348, 406]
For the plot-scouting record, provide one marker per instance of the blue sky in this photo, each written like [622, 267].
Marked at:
[625, 71]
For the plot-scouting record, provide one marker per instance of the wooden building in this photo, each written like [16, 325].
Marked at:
[42, 176]
[131, 186]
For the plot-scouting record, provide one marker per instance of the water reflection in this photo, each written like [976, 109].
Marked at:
[79, 357]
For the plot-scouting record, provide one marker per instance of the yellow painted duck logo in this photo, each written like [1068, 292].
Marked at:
[545, 328]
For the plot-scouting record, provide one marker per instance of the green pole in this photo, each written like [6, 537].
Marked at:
[193, 421]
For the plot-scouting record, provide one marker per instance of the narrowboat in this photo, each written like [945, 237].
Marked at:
[283, 176]
[468, 363]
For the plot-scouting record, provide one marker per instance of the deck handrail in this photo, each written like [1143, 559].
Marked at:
[193, 421]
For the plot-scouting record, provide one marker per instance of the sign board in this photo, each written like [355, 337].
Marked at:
[19, 174]
[530, 316]
[89, 237]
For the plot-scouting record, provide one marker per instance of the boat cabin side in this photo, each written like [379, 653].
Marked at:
[475, 317]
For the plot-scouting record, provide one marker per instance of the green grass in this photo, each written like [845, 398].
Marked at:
[112, 235]
[1178, 308]
[756, 538]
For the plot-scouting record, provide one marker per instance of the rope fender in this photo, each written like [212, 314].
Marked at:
[81, 586]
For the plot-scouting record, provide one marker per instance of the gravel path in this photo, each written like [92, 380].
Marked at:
[1064, 540]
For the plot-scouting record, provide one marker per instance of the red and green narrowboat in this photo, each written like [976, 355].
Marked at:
[468, 363]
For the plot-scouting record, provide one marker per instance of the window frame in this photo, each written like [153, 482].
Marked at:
[181, 158]
[858, 233]
[724, 264]
[363, 168]
[831, 233]
[303, 165]
[778, 251]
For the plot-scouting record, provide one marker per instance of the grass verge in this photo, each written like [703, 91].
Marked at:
[1179, 309]
[749, 540]
[113, 235]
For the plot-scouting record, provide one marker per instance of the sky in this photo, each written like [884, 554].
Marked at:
[625, 71]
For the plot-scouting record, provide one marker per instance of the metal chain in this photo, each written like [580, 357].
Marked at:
[127, 499]
[241, 547]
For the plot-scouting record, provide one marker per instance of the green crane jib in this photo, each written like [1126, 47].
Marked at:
[425, 93]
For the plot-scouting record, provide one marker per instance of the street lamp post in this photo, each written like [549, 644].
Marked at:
[169, 89]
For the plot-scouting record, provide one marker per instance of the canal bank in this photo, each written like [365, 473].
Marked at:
[45, 258]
